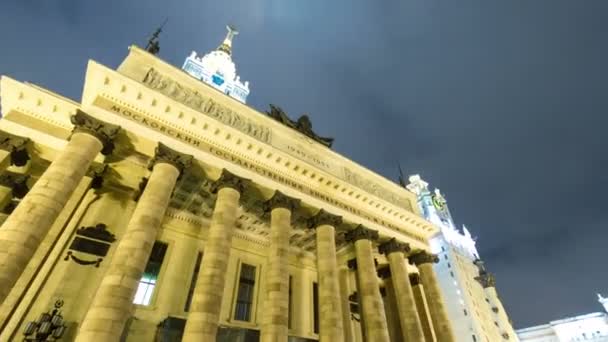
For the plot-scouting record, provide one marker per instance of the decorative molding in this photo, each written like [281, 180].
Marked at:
[83, 262]
[17, 183]
[165, 154]
[360, 232]
[392, 246]
[229, 180]
[324, 218]
[17, 146]
[205, 105]
[423, 257]
[105, 132]
[280, 200]
[486, 280]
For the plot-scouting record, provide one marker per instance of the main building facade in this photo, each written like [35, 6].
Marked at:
[161, 208]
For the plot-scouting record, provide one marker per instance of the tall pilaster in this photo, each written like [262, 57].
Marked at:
[443, 329]
[13, 150]
[411, 327]
[113, 301]
[204, 315]
[372, 307]
[24, 229]
[423, 308]
[276, 302]
[330, 311]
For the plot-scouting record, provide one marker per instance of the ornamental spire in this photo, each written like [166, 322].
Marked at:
[227, 43]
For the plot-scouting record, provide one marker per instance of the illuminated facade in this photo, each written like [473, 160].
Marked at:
[161, 209]
[475, 311]
[591, 327]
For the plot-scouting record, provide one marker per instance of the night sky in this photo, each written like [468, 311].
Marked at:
[501, 104]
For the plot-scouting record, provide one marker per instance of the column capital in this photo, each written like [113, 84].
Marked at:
[105, 132]
[360, 232]
[392, 246]
[423, 257]
[229, 180]
[280, 200]
[17, 183]
[16, 145]
[324, 218]
[164, 154]
[486, 280]
[414, 279]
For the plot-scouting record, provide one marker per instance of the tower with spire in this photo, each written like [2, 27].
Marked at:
[217, 69]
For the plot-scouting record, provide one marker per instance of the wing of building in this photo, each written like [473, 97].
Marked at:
[473, 305]
[591, 327]
[162, 208]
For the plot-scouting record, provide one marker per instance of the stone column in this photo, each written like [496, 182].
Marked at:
[111, 307]
[423, 308]
[13, 150]
[204, 315]
[330, 310]
[24, 229]
[370, 300]
[411, 327]
[443, 329]
[349, 335]
[276, 303]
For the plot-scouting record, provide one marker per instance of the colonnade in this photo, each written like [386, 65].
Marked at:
[111, 306]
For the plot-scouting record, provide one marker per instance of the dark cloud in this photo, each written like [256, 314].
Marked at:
[500, 104]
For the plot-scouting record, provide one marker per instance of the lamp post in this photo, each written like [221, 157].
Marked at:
[48, 327]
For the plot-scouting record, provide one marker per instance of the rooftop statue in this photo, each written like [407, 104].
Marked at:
[303, 124]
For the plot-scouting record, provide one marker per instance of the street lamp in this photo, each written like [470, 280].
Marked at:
[48, 327]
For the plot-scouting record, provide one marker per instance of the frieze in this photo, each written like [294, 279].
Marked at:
[206, 105]
[375, 189]
[235, 159]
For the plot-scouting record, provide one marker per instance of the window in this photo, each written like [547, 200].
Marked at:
[315, 309]
[148, 280]
[197, 266]
[244, 300]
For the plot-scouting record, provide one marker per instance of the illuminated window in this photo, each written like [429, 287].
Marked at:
[147, 283]
[244, 300]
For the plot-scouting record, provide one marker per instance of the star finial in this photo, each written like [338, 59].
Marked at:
[227, 43]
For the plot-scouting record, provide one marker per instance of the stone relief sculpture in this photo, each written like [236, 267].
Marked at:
[302, 125]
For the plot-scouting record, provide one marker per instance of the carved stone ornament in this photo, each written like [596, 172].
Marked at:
[302, 125]
[423, 258]
[414, 279]
[17, 183]
[91, 241]
[16, 145]
[164, 154]
[105, 132]
[384, 272]
[280, 200]
[324, 218]
[229, 180]
[393, 245]
[360, 232]
[486, 280]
